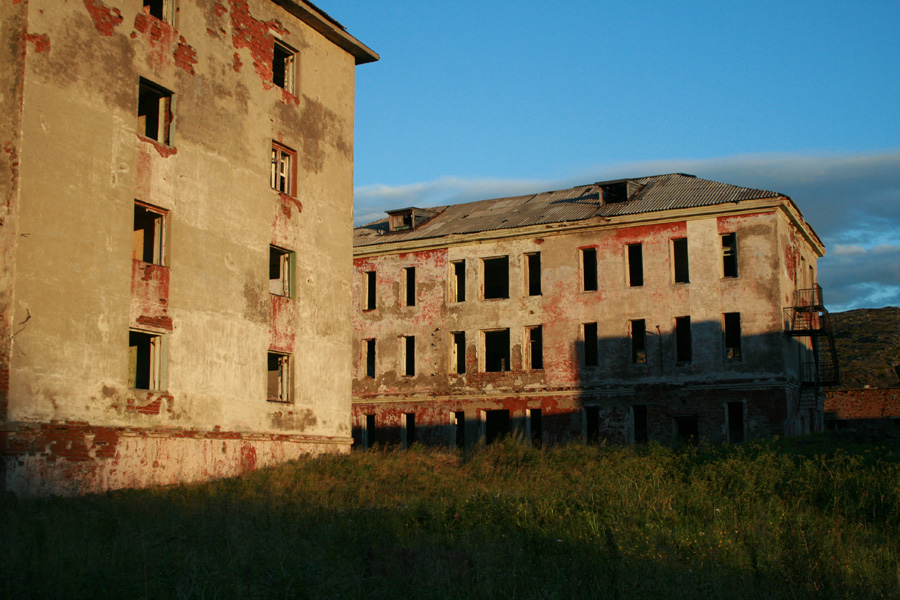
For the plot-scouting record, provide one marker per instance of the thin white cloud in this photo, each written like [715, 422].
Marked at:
[852, 201]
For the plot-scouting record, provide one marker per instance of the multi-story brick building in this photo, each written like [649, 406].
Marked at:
[642, 309]
[176, 184]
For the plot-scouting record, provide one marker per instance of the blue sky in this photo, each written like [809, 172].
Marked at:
[474, 100]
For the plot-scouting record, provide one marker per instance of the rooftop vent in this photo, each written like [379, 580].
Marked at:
[403, 219]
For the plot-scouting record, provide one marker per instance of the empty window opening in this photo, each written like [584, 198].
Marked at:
[496, 350]
[459, 419]
[409, 355]
[635, 265]
[591, 356]
[283, 67]
[589, 269]
[535, 427]
[683, 343]
[149, 228]
[283, 170]
[735, 421]
[591, 424]
[154, 112]
[370, 290]
[369, 433]
[729, 255]
[496, 425]
[369, 357]
[496, 277]
[145, 360]
[458, 281]
[680, 258]
[458, 352]
[533, 273]
[732, 335]
[641, 426]
[535, 347]
[409, 285]
[687, 429]
[409, 429]
[281, 264]
[278, 384]
[161, 9]
[638, 342]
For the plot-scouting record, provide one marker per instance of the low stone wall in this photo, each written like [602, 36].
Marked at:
[68, 459]
[867, 403]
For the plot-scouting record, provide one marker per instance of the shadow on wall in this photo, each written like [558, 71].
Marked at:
[648, 385]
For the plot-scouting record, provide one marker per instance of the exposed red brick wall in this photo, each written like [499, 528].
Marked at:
[105, 18]
[870, 403]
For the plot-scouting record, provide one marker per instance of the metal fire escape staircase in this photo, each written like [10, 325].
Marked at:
[808, 318]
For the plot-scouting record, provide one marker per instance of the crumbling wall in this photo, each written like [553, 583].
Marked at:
[863, 404]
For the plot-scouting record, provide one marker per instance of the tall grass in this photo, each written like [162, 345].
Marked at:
[768, 519]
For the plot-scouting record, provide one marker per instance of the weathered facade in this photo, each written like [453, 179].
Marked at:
[644, 309]
[175, 239]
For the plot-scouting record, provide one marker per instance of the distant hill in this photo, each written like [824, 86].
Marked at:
[868, 346]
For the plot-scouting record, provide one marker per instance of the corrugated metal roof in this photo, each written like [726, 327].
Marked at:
[656, 193]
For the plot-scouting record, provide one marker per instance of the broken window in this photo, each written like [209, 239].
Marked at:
[284, 169]
[281, 264]
[639, 418]
[458, 281]
[533, 274]
[535, 347]
[154, 112]
[638, 342]
[496, 425]
[369, 357]
[145, 360]
[732, 335]
[735, 415]
[535, 427]
[278, 383]
[409, 429]
[496, 350]
[161, 9]
[149, 234]
[283, 66]
[496, 277]
[458, 352]
[687, 429]
[589, 269]
[369, 283]
[729, 255]
[683, 342]
[369, 433]
[591, 424]
[591, 356]
[635, 265]
[409, 286]
[680, 260]
[409, 355]
[459, 419]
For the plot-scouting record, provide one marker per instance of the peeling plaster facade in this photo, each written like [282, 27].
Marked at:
[142, 355]
[583, 386]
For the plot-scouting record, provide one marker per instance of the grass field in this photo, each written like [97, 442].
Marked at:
[809, 518]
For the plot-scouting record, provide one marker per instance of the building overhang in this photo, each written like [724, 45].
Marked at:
[328, 27]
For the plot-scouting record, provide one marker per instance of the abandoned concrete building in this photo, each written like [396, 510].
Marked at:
[655, 308]
[176, 187]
